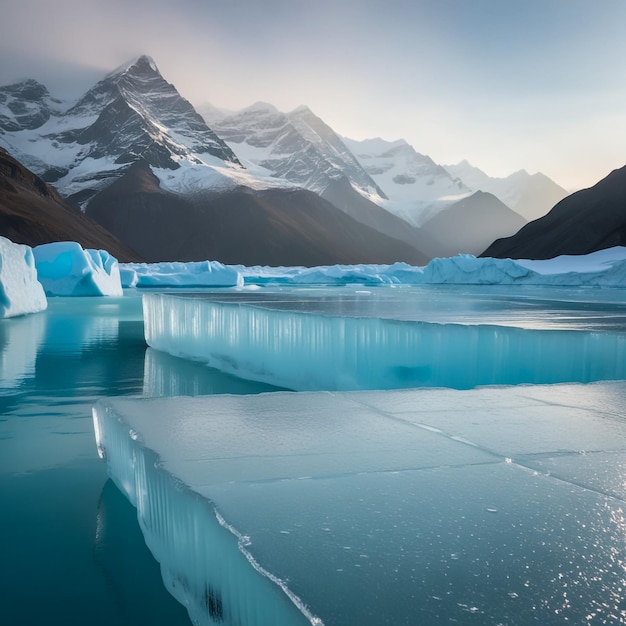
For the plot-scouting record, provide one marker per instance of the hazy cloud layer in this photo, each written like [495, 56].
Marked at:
[536, 84]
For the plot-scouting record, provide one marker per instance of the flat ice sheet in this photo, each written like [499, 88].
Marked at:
[529, 307]
[390, 338]
[494, 505]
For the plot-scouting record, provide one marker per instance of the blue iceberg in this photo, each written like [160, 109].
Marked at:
[65, 269]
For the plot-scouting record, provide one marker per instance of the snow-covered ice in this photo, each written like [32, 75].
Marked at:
[416, 506]
[605, 268]
[193, 274]
[384, 338]
[20, 291]
[65, 269]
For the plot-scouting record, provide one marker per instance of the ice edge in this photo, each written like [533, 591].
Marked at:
[242, 542]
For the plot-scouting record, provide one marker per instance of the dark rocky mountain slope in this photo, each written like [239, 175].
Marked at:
[586, 221]
[33, 213]
[241, 225]
[471, 224]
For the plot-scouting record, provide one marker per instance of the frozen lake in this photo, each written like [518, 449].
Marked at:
[71, 536]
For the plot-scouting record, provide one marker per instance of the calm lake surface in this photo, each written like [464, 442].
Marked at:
[70, 546]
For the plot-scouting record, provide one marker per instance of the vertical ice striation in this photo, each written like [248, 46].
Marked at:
[204, 561]
[315, 351]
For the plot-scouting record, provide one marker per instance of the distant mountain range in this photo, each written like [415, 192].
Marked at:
[588, 220]
[256, 186]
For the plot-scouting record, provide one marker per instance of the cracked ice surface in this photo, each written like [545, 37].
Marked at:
[491, 505]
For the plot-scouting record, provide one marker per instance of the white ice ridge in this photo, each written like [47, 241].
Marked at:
[389, 338]
[192, 274]
[65, 269]
[416, 506]
[20, 291]
[605, 268]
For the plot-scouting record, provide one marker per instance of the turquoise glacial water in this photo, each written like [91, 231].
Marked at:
[70, 546]
[71, 549]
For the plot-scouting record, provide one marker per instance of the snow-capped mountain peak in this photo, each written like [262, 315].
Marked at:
[132, 114]
[25, 105]
[414, 184]
[297, 147]
[530, 195]
[141, 63]
[260, 107]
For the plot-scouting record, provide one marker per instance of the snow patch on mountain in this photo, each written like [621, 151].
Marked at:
[416, 187]
[133, 113]
[295, 148]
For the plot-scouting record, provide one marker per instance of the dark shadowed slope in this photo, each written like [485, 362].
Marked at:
[33, 213]
[471, 224]
[588, 220]
[251, 227]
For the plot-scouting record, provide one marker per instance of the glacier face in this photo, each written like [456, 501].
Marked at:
[417, 338]
[411, 506]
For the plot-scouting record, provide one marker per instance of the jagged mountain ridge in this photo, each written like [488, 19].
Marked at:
[26, 105]
[529, 195]
[132, 113]
[415, 186]
[298, 147]
[586, 221]
[274, 226]
[139, 159]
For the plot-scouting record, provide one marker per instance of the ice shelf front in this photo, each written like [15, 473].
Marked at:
[396, 338]
[423, 506]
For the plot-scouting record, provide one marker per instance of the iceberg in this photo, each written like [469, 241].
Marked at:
[606, 268]
[385, 338]
[415, 506]
[20, 291]
[192, 274]
[65, 269]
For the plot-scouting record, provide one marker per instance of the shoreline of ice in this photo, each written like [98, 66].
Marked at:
[605, 268]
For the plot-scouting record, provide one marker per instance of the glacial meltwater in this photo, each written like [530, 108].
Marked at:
[71, 551]
[482, 507]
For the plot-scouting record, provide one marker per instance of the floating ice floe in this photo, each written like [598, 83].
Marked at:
[424, 506]
[606, 268]
[20, 291]
[423, 336]
[193, 274]
[603, 268]
[65, 269]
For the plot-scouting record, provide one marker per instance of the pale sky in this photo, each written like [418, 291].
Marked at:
[505, 84]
